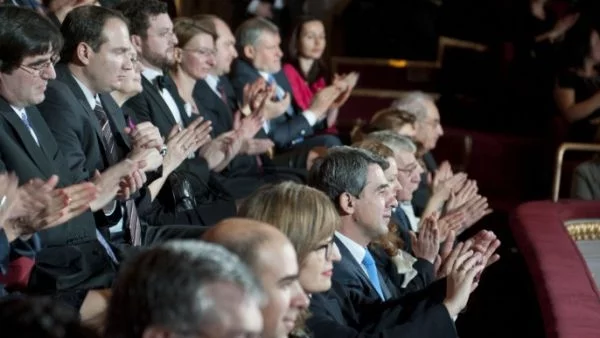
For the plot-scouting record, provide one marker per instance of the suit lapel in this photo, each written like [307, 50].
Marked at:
[213, 108]
[39, 156]
[154, 94]
[350, 264]
[63, 74]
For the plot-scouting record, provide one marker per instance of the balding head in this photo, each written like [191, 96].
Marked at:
[272, 258]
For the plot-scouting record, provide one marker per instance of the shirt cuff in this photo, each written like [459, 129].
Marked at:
[110, 209]
[252, 6]
[310, 117]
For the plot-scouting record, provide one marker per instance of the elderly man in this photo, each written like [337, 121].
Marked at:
[272, 258]
[185, 289]
[260, 56]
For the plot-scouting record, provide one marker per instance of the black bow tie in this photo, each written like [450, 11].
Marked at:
[162, 82]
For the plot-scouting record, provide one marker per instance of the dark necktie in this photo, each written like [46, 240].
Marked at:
[162, 82]
[133, 220]
[222, 93]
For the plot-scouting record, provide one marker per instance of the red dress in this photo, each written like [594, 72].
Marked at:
[303, 92]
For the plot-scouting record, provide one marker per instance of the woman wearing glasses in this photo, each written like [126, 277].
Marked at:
[309, 219]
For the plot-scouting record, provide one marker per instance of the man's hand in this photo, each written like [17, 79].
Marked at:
[148, 159]
[467, 192]
[450, 223]
[274, 108]
[145, 136]
[461, 281]
[474, 210]
[130, 184]
[9, 197]
[108, 183]
[427, 245]
[182, 143]
[256, 146]
[232, 143]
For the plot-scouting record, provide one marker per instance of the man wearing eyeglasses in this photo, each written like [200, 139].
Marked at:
[74, 257]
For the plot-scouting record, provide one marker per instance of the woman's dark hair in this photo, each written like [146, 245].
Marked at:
[576, 45]
[24, 33]
[41, 318]
[318, 69]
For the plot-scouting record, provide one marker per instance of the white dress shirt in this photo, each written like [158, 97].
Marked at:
[212, 81]
[356, 250]
[408, 209]
[151, 75]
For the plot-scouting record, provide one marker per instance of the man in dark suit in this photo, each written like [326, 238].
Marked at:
[152, 37]
[87, 123]
[258, 44]
[74, 256]
[217, 103]
[272, 258]
[428, 131]
[354, 180]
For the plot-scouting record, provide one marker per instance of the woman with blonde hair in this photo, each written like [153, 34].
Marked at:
[398, 120]
[309, 219]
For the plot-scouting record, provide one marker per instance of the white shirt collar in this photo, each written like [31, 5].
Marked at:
[265, 75]
[89, 96]
[212, 81]
[151, 74]
[20, 111]
[358, 251]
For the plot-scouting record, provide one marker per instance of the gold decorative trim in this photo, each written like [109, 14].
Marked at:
[585, 231]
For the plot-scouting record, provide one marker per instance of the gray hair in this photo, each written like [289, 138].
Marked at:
[165, 286]
[393, 141]
[414, 103]
[343, 169]
[250, 31]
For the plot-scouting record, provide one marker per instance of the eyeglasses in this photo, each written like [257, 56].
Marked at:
[328, 247]
[202, 51]
[38, 68]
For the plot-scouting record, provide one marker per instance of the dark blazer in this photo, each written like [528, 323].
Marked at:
[212, 107]
[352, 308]
[71, 256]
[79, 135]
[214, 201]
[284, 129]
[422, 194]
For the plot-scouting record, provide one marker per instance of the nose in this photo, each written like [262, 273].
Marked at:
[279, 52]
[174, 39]
[211, 61]
[391, 200]
[336, 256]
[234, 52]
[299, 299]
[440, 130]
[48, 73]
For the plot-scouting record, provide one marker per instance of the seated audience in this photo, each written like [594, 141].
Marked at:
[217, 102]
[354, 180]
[291, 128]
[399, 121]
[309, 219]
[74, 257]
[197, 196]
[40, 318]
[272, 258]
[307, 73]
[185, 289]
[577, 91]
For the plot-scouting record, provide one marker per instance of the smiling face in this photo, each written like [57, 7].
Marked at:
[26, 85]
[409, 175]
[372, 210]
[278, 271]
[317, 267]
[198, 56]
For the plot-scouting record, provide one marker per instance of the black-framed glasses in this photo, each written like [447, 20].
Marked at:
[328, 247]
[38, 68]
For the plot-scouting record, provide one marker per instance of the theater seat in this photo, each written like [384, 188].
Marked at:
[565, 288]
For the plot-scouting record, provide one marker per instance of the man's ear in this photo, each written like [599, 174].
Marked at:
[346, 203]
[136, 41]
[249, 51]
[84, 53]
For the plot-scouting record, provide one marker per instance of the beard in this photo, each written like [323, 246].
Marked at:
[158, 60]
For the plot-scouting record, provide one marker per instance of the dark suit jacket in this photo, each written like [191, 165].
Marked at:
[285, 128]
[71, 256]
[215, 202]
[213, 108]
[79, 135]
[352, 308]
[422, 194]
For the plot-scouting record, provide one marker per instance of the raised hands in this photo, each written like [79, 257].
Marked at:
[144, 136]
[182, 143]
[323, 100]
[346, 84]
[461, 281]
[427, 244]
[109, 182]
[38, 205]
